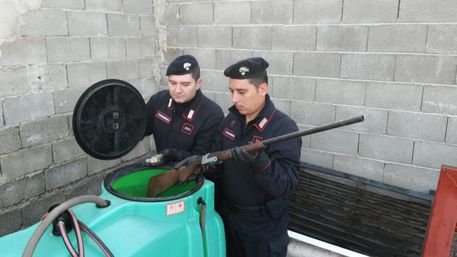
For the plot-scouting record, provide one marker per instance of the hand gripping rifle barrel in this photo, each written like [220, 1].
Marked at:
[162, 182]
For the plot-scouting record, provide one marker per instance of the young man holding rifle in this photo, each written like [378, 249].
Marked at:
[254, 187]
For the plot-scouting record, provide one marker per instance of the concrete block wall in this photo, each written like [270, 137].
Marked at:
[392, 61]
[50, 52]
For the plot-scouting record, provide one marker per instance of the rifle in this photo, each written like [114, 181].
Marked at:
[160, 183]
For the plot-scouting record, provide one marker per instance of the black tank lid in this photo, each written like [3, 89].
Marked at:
[109, 119]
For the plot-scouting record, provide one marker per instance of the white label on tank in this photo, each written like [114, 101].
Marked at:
[175, 208]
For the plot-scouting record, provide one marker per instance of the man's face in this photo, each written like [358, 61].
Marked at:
[247, 99]
[183, 87]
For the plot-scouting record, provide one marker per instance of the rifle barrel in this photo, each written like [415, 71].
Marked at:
[313, 130]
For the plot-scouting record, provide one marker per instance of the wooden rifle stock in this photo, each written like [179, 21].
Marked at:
[160, 183]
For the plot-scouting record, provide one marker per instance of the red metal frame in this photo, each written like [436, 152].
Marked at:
[443, 218]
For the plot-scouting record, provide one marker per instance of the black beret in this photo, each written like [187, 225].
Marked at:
[247, 68]
[183, 64]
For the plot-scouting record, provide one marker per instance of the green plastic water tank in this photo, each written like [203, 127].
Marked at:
[137, 226]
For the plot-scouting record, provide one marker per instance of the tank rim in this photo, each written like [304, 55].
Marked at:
[114, 175]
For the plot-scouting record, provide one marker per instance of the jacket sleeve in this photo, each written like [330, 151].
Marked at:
[150, 107]
[276, 170]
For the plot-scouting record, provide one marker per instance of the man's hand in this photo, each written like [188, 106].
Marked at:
[164, 156]
[187, 161]
[241, 156]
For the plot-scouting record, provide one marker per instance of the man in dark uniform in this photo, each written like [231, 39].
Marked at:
[182, 120]
[255, 187]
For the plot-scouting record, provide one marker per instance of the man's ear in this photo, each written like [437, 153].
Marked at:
[263, 89]
[199, 83]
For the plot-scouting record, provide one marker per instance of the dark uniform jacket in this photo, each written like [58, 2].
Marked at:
[189, 127]
[255, 201]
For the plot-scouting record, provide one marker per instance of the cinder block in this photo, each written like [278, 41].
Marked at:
[280, 62]
[206, 57]
[169, 55]
[62, 175]
[140, 149]
[315, 157]
[14, 81]
[181, 36]
[282, 105]
[224, 101]
[2, 122]
[300, 38]
[442, 39]
[361, 167]
[140, 47]
[451, 134]
[272, 12]
[86, 73]
[360, 11]
[147, 87]
[124, 70]
[439, 99]
[293, 88]
[312, 113]
[232, 13]
[10, 221]
[426, 69]
[214, 81]
[368, 66]
[123, 25]
[67, 49]
[204, 10]
[23, 189]
[138, 6]
[26, 161]
[433, 155]
[417, 126]
[146, 68]
[306, 141]
[375, 120]
[252, 37]
[87, 186]
[225, 58]
[53, 77]
[87, 23]
[386, 148]
[107, 48]
[9, 140]
[104, 5]
[427, 11]
[44, 131]
[65, 100]
[219, 36]
[340, 92]
[44, 22]
[397, 38]
[27, 107]
[63, 4]
[170, 16]
[95, 165]
[32, 212]
[23, 51]
[324, 11]
[342, 38]
[336, 141]
[394, 96]
[317, 64]
[66, 150]
[411, 177]
[148, 27]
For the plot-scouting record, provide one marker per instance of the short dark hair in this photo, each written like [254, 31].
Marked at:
[196, 73]
[258, 80]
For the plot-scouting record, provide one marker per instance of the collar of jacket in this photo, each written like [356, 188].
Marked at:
[261, 121]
